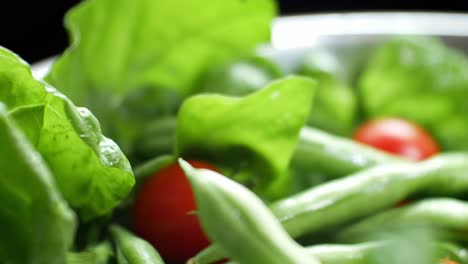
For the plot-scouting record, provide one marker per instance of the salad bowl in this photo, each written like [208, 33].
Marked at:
[160, 143]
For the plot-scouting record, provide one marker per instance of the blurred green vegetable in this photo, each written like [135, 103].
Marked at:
[91, 172]
[132, 249]
[230, 214]
[378, 252]
[368, 191]
[323, 63]
[156, 138]
[96, 254]
[240, 77]
[436, 213]
[341, 201]
[335, 105]
[254, 137]
[35, 222]
[424, 81]
[149, 54]
[415, 245]
[334, 156]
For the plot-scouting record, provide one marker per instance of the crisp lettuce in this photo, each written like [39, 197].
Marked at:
[152, 52]
[37, 226]
[255, 136]
[90, 170]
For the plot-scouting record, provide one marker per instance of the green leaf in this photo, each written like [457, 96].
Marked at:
[120, 48]
[36, 224]
[90, 170]
[254, 135]
[422, 80]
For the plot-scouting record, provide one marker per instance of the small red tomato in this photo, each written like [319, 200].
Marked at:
[399, 137]
[163, 214]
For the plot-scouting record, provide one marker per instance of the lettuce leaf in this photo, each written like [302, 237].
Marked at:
[154, 51]
[254, 136]
[422, 80]
[37, 225]
[90, 170]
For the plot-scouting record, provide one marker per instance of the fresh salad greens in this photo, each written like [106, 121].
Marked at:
[37, 224]
[239, 134]
[91, 172]
[152, 52]
[422, 80]
[267, 170]
[335, 107]
[265, 240]
[239, 78]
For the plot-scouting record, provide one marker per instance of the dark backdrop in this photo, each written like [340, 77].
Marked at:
[34, 29]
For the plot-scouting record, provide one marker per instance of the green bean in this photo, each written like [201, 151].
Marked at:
[363, 193]
[337, 254]
[240, 223]
[132, 249]
[369, 191]
[98, 254]
[444, 213]
[333, 156]
[366, 253]
[369, 252]
[345, 254]
[211, 254]
[150, 167]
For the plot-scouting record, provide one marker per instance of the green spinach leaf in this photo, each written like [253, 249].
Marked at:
[90, 170]
[36, 224]
[256, 135]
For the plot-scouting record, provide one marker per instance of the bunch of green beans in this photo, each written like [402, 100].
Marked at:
[125, 248]
[367, 192]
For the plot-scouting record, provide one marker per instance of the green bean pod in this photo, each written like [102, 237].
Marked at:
[208, 255]
[369, 191]
[369, 253]
[443, 213]
[132, 249]
[98, 254]
[239, 222]
[345, 254]
[334, 156]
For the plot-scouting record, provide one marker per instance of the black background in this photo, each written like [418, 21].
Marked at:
[34, 30]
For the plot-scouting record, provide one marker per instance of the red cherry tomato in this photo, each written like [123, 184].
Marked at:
[399, 137]
[163, 214]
